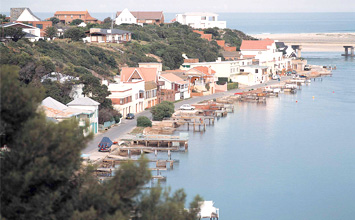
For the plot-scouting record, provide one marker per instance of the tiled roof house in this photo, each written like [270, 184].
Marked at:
[68, 16]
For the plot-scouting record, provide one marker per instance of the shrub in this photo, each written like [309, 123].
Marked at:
[231, 86]
[143, 121]
[162, 110]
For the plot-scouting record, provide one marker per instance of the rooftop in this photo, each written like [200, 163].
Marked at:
[54, 104]
[173, 78]
[85, 101]
[256, 44]
[153, 15]
[148, 74]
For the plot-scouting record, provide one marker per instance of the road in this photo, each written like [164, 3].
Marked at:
[127, 125]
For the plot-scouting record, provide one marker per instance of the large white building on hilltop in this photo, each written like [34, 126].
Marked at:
[200, 20]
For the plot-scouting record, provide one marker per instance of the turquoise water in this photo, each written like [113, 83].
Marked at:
[282, 160]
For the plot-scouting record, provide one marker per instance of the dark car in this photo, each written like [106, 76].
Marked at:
[105, 145]
[130, 116]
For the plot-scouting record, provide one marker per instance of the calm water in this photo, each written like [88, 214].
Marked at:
[282, 160]
[255, 23]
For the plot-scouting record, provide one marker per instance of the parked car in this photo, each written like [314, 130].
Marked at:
[105, 145]
[307, 67]
[187, 107]
[275, 77]
[130, 116]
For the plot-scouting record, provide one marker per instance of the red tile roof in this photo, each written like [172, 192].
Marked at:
[142, 15]
[204, 69]
[256, 44]
[148, 74]
[173, 78]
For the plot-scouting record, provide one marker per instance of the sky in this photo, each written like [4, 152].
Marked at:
[183, 5]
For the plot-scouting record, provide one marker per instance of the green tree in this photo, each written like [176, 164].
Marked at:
[107, 20]
[76, 22]
[54, 20]
[163, 110]
[3, 19]
[143, 121]
[14, 33]
[159, 204]
[42, 177]
[96, 91]
[76, 34]
[51, 32]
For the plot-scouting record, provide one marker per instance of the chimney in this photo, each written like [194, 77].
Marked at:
[219, 59]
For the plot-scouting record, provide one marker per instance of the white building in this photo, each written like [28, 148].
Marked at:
[200, 20]
[224, 69]
[32, 33]
[180, 86]
[84, 110]
[127, 97]
[87, 103]
[139, 17]
[22, 14]
[99, 35]
[252, 75]
[265, 52]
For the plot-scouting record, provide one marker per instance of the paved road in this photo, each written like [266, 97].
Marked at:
[127, 125]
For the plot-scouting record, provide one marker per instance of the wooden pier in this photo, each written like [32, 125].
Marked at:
[347, 54]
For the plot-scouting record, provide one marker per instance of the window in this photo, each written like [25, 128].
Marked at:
[241, 70]
[40, 26]
[71, 16]
[256, 70]
[79, 16]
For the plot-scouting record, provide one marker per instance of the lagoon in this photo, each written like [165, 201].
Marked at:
[282, 160]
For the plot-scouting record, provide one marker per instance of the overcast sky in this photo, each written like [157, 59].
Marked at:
[183, 5]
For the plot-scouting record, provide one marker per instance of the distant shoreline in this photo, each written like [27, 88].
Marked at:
[314, 42]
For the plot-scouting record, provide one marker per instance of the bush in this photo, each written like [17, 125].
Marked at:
[231, 86]
[162, 110]
[143, 121]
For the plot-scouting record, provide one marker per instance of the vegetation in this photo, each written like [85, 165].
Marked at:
[42, 177]
[54, 20]
[143, 121]
[107, 114]
[14, 33]
[51, 32]
[75, 34]
[3, 19]
[163, 110]
[76, 22]
[231, 86]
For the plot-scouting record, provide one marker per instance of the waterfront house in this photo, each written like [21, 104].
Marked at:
[200, 20]
[150, 96]
[202, 79]
[84, 110]
[252, 75]
[66, 17]
[170, 81]
[265, 52]
[87, 103]
[127, 97]
[32, 33]
[139, 17]
[132, 74]
[224, 69]
[99, 35]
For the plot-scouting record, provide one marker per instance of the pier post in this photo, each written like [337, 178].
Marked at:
[346, 51]
[129, 153]
[169, 154]
[188, 126]
[156, 153]
[352, 51]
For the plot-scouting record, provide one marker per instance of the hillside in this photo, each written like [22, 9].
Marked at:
[150, 43]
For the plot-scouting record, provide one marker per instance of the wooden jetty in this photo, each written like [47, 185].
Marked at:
[347, 54]
[160, 140]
